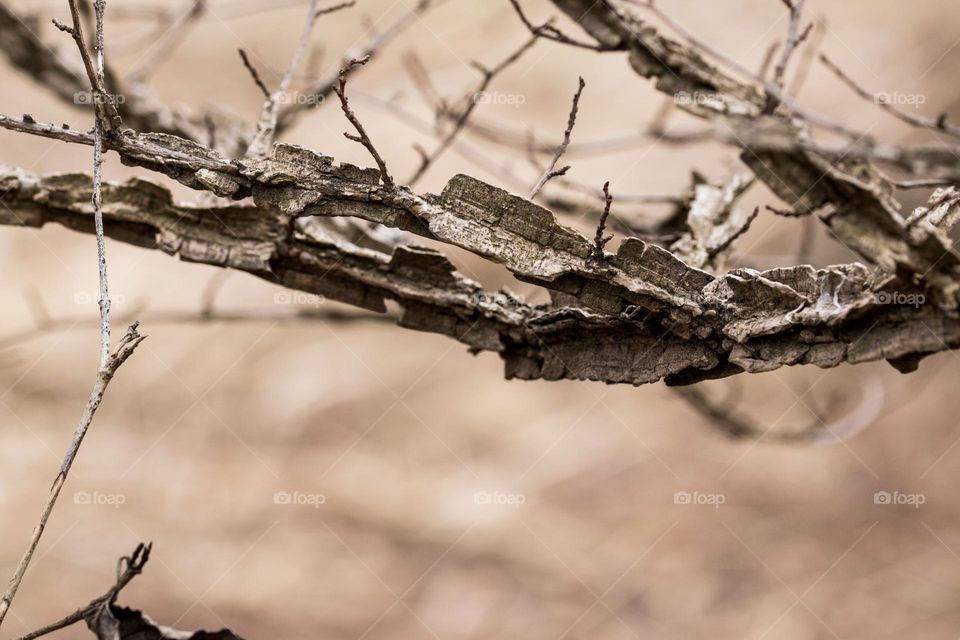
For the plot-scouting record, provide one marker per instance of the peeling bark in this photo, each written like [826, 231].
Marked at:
[644, 317]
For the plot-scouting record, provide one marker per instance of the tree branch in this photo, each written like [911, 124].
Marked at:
[551, 171]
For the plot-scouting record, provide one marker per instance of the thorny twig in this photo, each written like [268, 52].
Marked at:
[362, 138]
[551, 171]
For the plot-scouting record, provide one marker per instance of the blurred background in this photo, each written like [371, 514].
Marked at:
[357, 480]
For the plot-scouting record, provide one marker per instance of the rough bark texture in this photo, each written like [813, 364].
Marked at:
[852, 198]
[642, 316]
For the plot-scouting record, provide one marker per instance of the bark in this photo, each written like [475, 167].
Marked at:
[641, 317]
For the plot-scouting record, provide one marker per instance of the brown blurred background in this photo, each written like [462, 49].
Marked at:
[389, 444]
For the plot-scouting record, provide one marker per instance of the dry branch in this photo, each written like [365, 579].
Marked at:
[123, 351]
[106, 121]
[645, 316]
[640, 316]
[111, 622]
[551, 171]
[883, 101]
[852, 198]
[362, 138]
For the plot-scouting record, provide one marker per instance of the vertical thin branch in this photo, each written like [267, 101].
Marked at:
[551, 170]
[600, 241]
[99, 8]
[794, 38]
[106, 106]
[362, 138]
[109, 363]
[253, 72]
[270, 112]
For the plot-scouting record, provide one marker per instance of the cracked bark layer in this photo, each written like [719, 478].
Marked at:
[851, 197]
[644, 317]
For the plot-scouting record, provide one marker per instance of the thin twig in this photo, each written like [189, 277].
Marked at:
[600, 241]
[418, 73]
[819, 429]
[795, 38]
[885, 102]
[549, 32]
[336, 7]
[132, 567]
[124, 350]
[316, 95]
[809, 54]
[785, 99]
[551, 170]
[106, 108]
[473, 100]
[171, 38]
[362, 138]
[109, 363]
[922, 184]
[205, 315]
[270, 112]
[786, 213]
[253, 72]
[767, 60]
